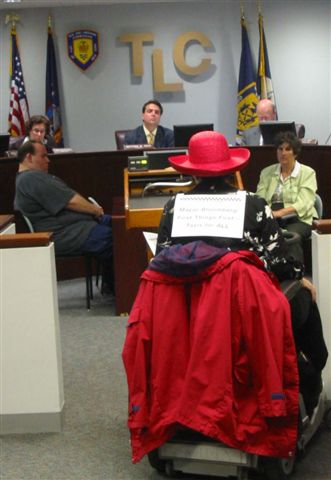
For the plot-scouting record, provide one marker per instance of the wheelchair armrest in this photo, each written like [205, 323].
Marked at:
[290, 288]
[286, 219]
[291, 237]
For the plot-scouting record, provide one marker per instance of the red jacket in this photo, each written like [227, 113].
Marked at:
[213, 352]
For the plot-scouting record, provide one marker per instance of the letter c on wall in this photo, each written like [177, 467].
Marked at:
[179, 53]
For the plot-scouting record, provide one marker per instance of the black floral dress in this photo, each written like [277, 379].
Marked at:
[262, 233]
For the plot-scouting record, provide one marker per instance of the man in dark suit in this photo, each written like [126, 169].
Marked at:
[150, 132]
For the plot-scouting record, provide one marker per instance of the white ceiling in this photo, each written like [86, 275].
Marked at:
[67, 3]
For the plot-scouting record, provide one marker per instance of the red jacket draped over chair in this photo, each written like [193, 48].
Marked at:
[213, 352]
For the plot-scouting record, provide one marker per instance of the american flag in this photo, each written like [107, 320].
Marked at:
[18, 107]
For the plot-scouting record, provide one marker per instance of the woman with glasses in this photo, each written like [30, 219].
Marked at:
[38, 130]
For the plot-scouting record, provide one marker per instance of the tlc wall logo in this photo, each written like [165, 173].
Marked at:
[83, 47]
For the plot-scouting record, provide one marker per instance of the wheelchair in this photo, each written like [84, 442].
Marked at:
[190, 452]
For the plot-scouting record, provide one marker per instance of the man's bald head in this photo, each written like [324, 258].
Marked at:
[266, 110]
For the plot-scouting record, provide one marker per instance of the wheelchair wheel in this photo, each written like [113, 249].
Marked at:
[156, 462]
[170, 471]
[278, 468]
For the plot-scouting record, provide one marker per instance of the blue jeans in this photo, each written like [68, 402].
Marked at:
[100, 243]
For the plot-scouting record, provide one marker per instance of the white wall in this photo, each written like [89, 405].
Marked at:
[106, 97]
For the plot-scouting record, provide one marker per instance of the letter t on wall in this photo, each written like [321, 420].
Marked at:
[137, 40]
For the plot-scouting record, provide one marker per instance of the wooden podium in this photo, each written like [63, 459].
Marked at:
[140, 212]
[146, 193]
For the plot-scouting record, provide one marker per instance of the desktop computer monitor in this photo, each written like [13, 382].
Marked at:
[159, 159]
[270, 129]
[183, 133]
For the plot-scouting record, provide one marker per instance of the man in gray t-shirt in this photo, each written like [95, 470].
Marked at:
[78, 225]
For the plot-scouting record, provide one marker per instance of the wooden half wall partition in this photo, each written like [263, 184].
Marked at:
[100, 175]
[31, 394]
[7, 224]
[25, 240]
[321, 253]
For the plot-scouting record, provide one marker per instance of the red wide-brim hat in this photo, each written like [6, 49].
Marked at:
[210, 156]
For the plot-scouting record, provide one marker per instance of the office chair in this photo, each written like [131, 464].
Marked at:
[23, 224]
[119, 137]
[318, 206]
[300, 129]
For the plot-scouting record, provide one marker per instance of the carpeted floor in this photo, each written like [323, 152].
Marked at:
[94, 444]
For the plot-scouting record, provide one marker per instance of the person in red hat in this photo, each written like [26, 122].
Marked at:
[210, 344]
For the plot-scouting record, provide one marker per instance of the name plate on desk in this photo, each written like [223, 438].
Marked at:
[209, 215]
[138, 146]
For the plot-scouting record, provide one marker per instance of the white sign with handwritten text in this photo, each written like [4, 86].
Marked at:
[209, 215]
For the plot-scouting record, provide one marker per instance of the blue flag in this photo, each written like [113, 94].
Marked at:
[264, 82]
[18, 107]
[247, 95]
[52, 93]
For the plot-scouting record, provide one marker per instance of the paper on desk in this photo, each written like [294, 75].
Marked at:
[62, 150]
[151, 239]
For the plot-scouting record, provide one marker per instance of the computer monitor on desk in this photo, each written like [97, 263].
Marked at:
[183, 133]
[270, 129]
[159, 159]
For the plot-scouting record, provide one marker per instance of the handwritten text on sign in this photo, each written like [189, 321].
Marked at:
[209, 215]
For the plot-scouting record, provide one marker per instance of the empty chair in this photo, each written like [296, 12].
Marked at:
[119, 137]
[300, 130]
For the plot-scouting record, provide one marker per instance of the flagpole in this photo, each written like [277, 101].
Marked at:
[262, 59]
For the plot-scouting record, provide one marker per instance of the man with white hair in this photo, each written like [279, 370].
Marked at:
[265, 111]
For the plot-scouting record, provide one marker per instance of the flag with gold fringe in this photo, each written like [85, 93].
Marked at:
[264, 83]
[52, 91]
[247, 94]
[18, 106]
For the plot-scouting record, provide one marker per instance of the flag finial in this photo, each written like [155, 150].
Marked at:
[12, 19]
[259, 9]
[242, 11]
[49, 22]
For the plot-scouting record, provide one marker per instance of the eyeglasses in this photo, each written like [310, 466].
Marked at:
[37, 130]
